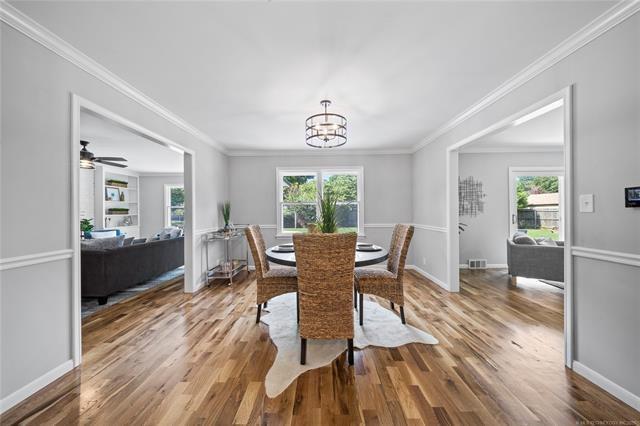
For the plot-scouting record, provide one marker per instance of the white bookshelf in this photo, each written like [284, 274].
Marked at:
[105, 218]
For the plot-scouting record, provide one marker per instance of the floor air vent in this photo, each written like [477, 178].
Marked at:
[477, 263]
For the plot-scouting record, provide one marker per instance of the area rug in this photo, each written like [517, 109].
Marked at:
[90, 305]
[381, 328]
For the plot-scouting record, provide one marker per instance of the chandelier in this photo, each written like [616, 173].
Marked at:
[326, 130]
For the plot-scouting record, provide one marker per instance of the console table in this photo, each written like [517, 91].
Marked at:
[229, 267]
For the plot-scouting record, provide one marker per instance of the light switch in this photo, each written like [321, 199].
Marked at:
[586, 203]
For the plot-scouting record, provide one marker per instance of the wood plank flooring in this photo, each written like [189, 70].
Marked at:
[172, 358]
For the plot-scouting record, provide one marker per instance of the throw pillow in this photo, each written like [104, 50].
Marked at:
[139, 241]
[175, 233]
[104, 234]
[525, 240]
[128, 241]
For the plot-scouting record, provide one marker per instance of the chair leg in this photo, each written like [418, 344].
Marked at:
[298, 307]
[303, 351]
[355, 298]
[392, 307]
[350, 351]
[404, 321]
[258, 316]
[265, 305]
[361, 309]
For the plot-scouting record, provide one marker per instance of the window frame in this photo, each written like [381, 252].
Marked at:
[167, 201]
[320, 173]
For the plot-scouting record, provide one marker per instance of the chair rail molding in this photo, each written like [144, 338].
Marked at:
[34, 259]
[600, 25]
[38, 33]
[430, 227]
[630, 259]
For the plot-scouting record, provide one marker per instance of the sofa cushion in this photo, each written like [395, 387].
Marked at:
[524, 239]
[546, 242]
[128, 241]
[102, 243]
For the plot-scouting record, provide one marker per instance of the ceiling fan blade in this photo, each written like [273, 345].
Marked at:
[109, 163]
[111, 158]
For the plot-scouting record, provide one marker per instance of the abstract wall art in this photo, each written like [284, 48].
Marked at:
[470, 197]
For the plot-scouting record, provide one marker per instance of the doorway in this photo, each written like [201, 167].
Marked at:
[80, 107]
[560, 101]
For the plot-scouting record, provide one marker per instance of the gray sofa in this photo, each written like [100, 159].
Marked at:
[528, 258]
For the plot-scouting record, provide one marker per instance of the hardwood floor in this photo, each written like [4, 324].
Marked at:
[171, 358]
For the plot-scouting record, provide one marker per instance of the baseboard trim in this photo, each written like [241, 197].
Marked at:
[29, 389]
[489, 266]
[613, 388]
[428, 276]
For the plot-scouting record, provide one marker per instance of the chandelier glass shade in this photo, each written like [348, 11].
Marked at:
[326, 130]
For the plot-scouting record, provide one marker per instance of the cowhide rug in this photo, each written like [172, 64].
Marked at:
[381, 327]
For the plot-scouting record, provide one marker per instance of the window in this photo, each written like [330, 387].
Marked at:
[298, 197]
[174, 206]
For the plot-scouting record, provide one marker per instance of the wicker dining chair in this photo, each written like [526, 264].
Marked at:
[387, 283]
[269, 282]
[325, 264]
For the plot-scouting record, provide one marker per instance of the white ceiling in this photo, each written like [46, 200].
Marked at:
[545, 132]
[143, 156]
[248, 74]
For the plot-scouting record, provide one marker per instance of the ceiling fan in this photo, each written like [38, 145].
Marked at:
[87, 159]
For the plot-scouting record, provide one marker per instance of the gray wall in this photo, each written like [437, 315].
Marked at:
[35, 301]
[152, 202]
[387, 189]
[605, 160]
[485, 236]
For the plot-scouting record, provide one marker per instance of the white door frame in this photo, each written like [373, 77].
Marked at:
[514, 172]
[453, 240]
[79, 104]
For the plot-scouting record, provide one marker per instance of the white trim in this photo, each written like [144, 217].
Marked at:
[32, 29]
[161, 174]
[204, 231]
[430, 227]
[428, 276]
[629, 259]
[34, 259]
[512, 149]
[603, 23]
[453, 239]
[613, 388]
[30, 388]
[489, 266]
[379, 225]
[314, 152]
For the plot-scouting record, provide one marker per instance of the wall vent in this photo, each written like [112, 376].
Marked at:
[477, 263]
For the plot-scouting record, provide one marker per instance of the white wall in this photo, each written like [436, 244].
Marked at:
[87, 189]
[605, 160]
[152, 202]
[36, 313]
[387, 189]
[485, 236]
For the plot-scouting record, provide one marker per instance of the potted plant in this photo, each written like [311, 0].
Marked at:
[226, 214]
[327, 222]
[86, 227]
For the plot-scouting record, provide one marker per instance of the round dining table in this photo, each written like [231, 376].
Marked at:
[363, 258]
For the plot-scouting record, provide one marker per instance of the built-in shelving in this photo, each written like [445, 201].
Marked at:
[128, 223]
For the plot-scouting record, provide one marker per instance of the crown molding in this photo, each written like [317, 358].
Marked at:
[314, 152]
[35, 31]
[600, 25]
[513, 149]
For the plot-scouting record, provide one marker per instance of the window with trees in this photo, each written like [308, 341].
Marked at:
[298, 191]
[174, 206]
